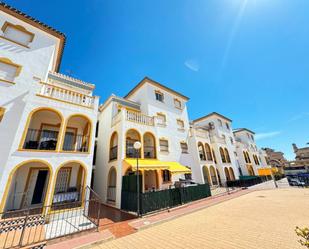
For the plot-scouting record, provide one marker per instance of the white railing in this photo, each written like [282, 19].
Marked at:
[69, 96]
[139, 118]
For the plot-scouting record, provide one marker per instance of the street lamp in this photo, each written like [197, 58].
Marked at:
[137, 146]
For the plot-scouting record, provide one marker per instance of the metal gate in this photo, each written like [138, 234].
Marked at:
[35, 226]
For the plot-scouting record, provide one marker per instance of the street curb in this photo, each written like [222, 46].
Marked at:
[95, 243]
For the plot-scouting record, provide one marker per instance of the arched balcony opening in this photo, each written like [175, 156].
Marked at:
[113, 147]
[201, 151]
[227, 174]
[250, 170]
[248, 157]
[213, 175]
[132, 136]
[70, 185]
[206, 175]
[77, 134]
[149, 145]
[227, 155]
[28, 186]
[222, 154]
[232, 175]
[208, 152]
[219, 177]
[214, 156]
[42, 131]
[111, 185]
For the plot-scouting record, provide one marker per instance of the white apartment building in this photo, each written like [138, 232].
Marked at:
[213, 149]
[47, 120]
[157, 117]
[251, 159]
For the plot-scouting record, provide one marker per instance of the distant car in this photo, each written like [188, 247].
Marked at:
[296, 182]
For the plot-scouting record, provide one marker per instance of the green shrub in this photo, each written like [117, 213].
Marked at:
[303, 233]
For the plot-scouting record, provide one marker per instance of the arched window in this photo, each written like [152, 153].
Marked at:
[149, 145]
[42, 131]
[232, 175]
[245, 156]
[132, 136]
[227, 174]
[227, 155]
[208, 152]
[214, 156]
[113, 147]
[248, 157]
[77, 134]
[223, 159]
[112, 183]
[206, 175]
[250, 170]
[201, 151]
[213, 175]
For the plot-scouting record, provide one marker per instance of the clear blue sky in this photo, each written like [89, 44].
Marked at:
[248, 60]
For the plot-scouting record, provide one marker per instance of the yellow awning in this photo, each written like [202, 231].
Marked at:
[154, 164]
[264, 172]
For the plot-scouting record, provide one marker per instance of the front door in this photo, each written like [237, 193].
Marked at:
[39, 188]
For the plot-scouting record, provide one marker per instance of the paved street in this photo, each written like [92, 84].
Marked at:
[261, 219]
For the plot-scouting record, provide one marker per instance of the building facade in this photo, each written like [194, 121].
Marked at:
[213, 147]
[276, 159]
[47, 119]
[300, 166]
[155, 116]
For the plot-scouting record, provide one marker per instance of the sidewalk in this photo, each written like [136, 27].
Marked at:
[124, 228]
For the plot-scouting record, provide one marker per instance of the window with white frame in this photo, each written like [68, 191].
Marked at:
[163, 145]
[227, 126]
[8, 70]
[180, 124]
[184, 148]
[17, 34]
[161, 119]
[177, 103]
[159, 96]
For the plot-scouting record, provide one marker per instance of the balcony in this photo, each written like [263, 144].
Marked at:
[75, 143]
[139, 118]
[41, 140]
[65, 95]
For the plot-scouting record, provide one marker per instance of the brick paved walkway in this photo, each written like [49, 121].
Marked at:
[259, 220]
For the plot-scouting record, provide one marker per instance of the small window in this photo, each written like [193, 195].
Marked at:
[220, 122]
[2, 111]
[227, 126]
[161, 119]
[232, 141]
[180, 124]
[163, 145]
[252, 137]
[17, 34]
[248, 135]
[159, 96]
[177, 103]
[8, 70]
[184, 148]
[166, 175]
